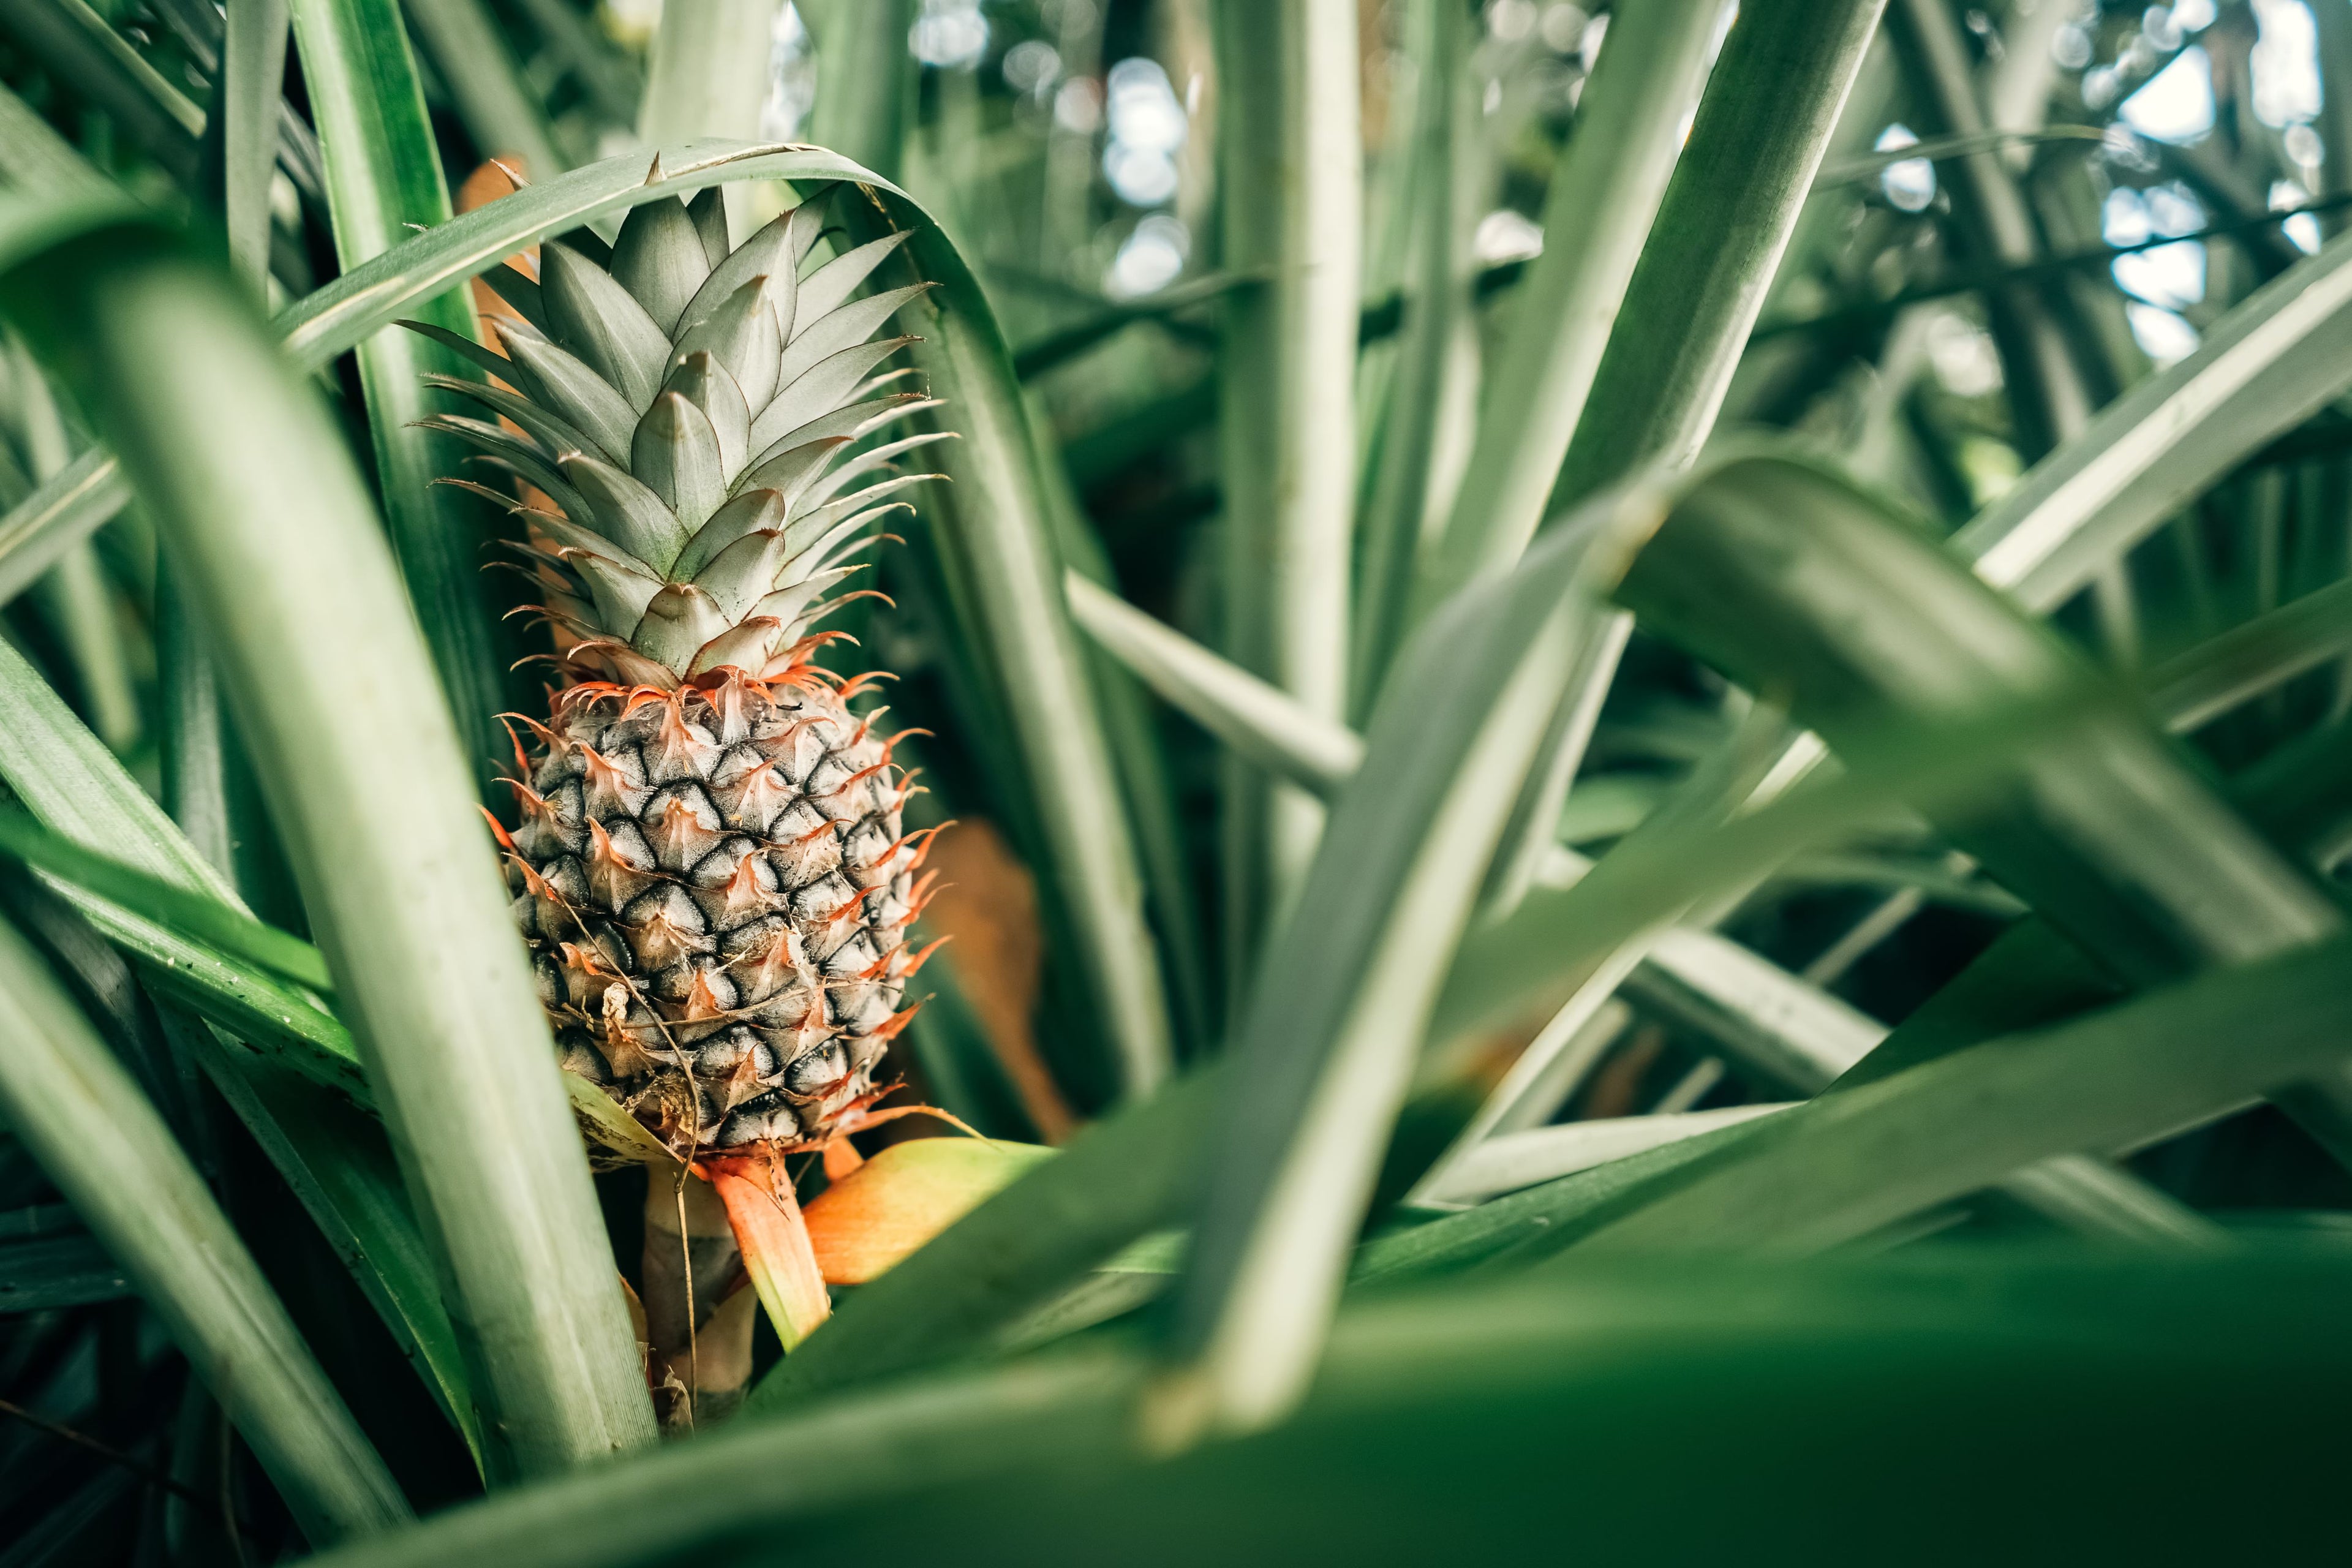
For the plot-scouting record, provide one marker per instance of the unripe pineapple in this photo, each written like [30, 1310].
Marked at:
[710, 869]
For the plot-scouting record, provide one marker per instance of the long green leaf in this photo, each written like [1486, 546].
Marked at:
[336, 1159]
[1259, 719]
[2268, 365]
[1290, 193]
[2033, 976]
[1324, 1055]
[76, 598]
[1850, 1161]
[1722, 226]
[707, 75]
[501, 113]
[1531, 836]
[241, 130]
[57, 1271]
[1597, 216]
[1877, 622]
[1771, 107]
[1442, 1415]
[342, 1170]
[1508, 1230]
[65, 510]
[1864, 621]
[213, 47]
[1433, 384]
[1779, 1027]
[67, 778]
[866, 84]
[102, 1143]
[103, 977]
[1151, 793]
[197, 740]
[2207, 680]
[209, 921]
[77, 602]
[85, 51]
[755, 1473]
[383, 174]
[1508, 1162]
[273, 535]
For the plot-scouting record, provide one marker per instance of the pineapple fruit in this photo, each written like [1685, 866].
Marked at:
[709, 867]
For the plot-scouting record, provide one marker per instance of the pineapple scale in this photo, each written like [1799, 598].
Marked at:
[715, 892]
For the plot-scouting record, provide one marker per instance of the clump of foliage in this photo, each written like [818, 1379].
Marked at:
[1637, 722]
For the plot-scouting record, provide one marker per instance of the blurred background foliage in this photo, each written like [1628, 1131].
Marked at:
[2025, 210]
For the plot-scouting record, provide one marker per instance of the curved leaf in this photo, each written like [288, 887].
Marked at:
[2275, 359]
[1869, 625]
[209, 921]
[69, 780]
[383, 175]
[102, 1143]
[1437, 1418]
[67, 508]
[1597, 217]
[1762, 127]
[1830, 1171]
[273, 535]
[1290, 192]
[1866, 623]
[1322, 1057]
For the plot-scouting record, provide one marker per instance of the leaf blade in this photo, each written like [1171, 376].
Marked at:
[383, 174]
[275, 538]
[69, 1099]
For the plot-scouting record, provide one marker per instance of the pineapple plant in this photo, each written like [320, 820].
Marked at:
[710, 869]
[705, 839]
[709, 866]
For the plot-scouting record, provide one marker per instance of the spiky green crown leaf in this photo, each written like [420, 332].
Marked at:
[687, 407]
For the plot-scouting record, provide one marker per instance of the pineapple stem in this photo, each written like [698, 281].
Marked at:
[699, 1336]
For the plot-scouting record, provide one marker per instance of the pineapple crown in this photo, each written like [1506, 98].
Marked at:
[687, 407]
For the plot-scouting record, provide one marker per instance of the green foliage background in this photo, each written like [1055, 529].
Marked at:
[1676, 684]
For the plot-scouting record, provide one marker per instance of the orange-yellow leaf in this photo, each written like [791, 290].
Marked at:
[902, 1198]
[987, 900]
[769, 1228]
